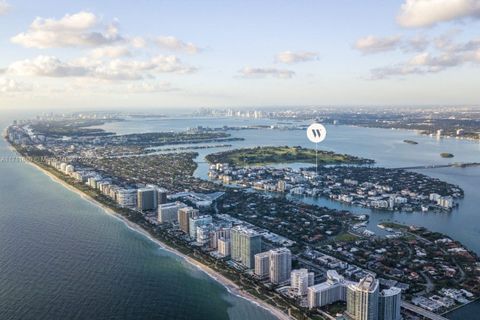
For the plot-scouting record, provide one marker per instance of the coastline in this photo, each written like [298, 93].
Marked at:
[229, 285]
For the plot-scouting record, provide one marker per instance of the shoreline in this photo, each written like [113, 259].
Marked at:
[229, 285]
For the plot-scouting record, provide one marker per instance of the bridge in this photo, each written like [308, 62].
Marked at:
[435, 166]
[422, 312]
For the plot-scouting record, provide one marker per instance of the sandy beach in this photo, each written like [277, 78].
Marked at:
[231, 287]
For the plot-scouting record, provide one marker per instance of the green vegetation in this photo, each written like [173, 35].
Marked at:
[393, 225]
[285, 154]
[336, 307]
[446, 155]
[347, 237]
[69, 128]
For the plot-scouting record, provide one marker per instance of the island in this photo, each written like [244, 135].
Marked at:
[446, 155]
[282, 154]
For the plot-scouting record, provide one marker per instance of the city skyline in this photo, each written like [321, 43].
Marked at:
[187, 54]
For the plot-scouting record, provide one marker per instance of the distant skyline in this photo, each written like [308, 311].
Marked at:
[167, 54]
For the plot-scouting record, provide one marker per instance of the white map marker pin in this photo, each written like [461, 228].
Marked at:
[316, 132]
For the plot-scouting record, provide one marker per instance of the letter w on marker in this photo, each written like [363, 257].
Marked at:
[316, 132]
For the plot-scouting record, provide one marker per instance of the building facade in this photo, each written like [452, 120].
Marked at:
[245, 244]
[184, 215]
[300, 280]
[223, 247]
[197, 221]
[147, 199]
[168, 212]
[280, 265]
[389, 303]
[362, 299]
[262, 264]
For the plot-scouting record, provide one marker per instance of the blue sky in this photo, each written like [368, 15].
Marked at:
[238, 53]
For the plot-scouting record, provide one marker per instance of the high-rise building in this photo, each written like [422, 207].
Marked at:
[300, 280]
[204, 233]
[364, 302]
[147, 199]
[245, 244]
[222, 231]
[223, 247]
[197, 221]
[362, 299]
[262, 264]
[328, 292]
[168, 212]
[126, 197]
[281, 186]
[162, 196]
[184, 215]
[280, 265]
[389, 303]
[69, 169]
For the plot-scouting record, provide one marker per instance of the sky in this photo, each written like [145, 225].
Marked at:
[179, 53]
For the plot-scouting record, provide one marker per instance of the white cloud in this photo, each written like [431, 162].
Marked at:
[138, 42]
[448, 54]
[417, 44]
[426, 13]
[49, 66]
[13, 86]
[46, 66]
[372, 44]
[79, 29]
[439, 62]
[150, 87]
[294, 57]
[110, 52]
[4, 7]
[172, 43]
[424, 63]
[251, 72]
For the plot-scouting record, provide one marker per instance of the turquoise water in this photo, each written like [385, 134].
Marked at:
[62, 257]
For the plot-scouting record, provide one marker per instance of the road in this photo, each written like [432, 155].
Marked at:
[434, 166]
[420, 311]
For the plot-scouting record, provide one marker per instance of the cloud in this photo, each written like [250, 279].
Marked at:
[418, 43]
[445, 42]
[150, 87]
[46, 66]
[290, 57]
[371, 44]
[82, 29]
[13, 86]
[110, 52]
[250, 72]
[117, 69]
[424, 63]
[174, 44]
[4, 7]
[447, 54]
[138, 42]
[426, 13]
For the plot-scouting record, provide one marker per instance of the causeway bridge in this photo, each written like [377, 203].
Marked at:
[420, 311]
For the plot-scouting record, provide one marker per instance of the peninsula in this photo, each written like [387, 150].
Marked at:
[158, 192]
